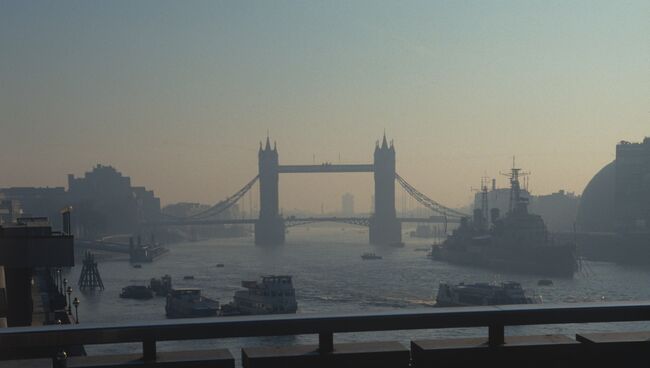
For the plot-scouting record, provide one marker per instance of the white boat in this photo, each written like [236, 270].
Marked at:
[272, 294]
[481, 294]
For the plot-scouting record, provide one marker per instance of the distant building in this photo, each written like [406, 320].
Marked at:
[632, 186]
[595, 213]
[38, 202]
[617, 199]
[184, 209]
[558, 209]
[106, 203]
[347, 204]
[9, 211]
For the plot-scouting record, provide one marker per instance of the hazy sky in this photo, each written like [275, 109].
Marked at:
[177, 94]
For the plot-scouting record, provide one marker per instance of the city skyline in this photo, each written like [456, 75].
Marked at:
[178, 97]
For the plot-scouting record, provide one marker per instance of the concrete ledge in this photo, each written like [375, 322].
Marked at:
[527, 351]
[613, 337]
[365, 354]
[623, 349]
[220, 358]
[26, 363]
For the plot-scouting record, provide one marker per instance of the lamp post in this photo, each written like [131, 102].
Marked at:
[58, 279]
[68, 291]
[76, 302]
[65, 288]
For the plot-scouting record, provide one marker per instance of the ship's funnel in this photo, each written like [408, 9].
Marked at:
[494, 214]
[478, 218]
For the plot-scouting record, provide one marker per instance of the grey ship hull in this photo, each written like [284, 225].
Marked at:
[558, 261]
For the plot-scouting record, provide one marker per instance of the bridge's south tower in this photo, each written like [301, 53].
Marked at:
[384, 226]
[269, 229]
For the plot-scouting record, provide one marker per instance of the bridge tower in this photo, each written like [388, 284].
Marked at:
[384, 226]
[269, 229]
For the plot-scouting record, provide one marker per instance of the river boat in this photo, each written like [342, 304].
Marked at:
[479, 294]
[146, 253]
[518, 242]
[273, 294]
[136, 292]
[161, 286]
[422, 231]
[188, 303]
[370, 256]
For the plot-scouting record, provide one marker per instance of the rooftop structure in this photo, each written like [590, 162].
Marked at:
[26, 247]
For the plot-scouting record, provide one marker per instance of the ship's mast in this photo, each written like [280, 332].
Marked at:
[484, 198]
[484, 201]
[515, 189]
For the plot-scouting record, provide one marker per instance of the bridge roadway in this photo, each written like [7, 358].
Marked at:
[103, 245]
[362, 221]
[326, 168]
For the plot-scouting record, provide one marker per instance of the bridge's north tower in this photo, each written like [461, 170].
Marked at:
[269, 229]
[384, 226]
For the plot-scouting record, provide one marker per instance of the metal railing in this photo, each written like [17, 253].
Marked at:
[496, 318]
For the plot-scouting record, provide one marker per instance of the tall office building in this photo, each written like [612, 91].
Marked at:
[632, 185]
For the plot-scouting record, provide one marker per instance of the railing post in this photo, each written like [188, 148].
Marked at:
[149, 350]
[325, 342]
[60, 360]
[496, 335]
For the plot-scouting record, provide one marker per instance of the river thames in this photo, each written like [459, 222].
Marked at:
[330, 277]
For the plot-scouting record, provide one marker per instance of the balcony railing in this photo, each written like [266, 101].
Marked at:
[495, 318]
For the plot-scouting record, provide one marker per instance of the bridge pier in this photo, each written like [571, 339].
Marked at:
[269, 231]
[385, 231]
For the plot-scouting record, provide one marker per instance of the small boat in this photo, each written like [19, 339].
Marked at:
[370, 256]
[545, 282]
[481, 294]
[188, 302]
[397, 244]
[137, 265]
[220, 265]
[188, 277]
[136, 292]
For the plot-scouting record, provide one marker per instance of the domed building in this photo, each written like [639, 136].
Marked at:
[595, 213]
[618, 196]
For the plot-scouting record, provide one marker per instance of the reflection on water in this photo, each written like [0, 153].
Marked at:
[330, 276]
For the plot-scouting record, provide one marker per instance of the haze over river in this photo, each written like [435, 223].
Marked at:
[330, 276]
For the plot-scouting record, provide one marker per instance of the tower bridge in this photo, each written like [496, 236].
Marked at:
[270, 227]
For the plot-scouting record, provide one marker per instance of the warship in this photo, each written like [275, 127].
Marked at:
[518, 242]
